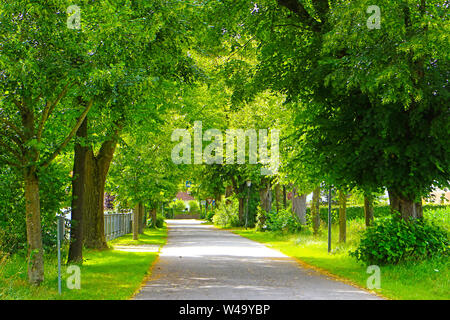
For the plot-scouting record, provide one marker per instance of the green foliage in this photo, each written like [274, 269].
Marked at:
[178, 206]
[53, 184]
[194, 208]
[441, 212]
[392, 240]
[226, 215]
[159, 223]
[209, 215]
[284, 221]
[439, 215]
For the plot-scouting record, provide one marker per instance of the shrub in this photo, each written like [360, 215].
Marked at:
[209, 215]
[284, 220]
[159, 222]
[194, 207]
[178, 206]
[439, 215]
[391, 240]
[226, 215]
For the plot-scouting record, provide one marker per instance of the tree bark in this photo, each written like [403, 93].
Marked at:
[153, 215]
[265, 196]
[368, 209]
[136, 222]
[277, 196]
[141, 218]
[79, 170]
[228, 193]
[284, 198]
[97, 168]
[315, 207]
[299, 206]
[241, 210]
[33, 222]
[408, 209]
[342, 216]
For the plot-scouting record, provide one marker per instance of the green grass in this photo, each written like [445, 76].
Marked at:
[105, 275]
[428, 280]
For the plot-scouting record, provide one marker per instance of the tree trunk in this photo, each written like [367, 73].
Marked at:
[93, 216]
[408, 209]
[368, 209]
[315, 207]
[97, 168]
[228, 193]
[299, 206]
[218, 198]
[241, 210]
[78, 182]
[265, 196]
[33, 222]
[141, 218]
[153, 214]
[277, 196]
[342, 216]
[284, 198]
[136, 223]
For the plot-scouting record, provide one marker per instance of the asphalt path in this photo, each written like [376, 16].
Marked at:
[200, 262]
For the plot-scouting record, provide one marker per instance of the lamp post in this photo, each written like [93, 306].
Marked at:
[249, 184]
[329, 220]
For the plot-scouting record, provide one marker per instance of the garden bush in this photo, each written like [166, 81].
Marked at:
[53, 183]
[357, 212]
[178, 206]
[226, 215]
[391, 240]
[159, 223]
[194, 208]
[284, 221]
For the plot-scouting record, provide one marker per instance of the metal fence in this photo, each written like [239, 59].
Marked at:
[117, 224]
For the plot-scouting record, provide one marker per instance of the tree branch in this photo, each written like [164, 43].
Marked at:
[49, 109]
[12, 150]
[296, 7]
[70, 136]
[322, 7]
[12, 126]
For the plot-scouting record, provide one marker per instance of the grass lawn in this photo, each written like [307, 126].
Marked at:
[107, 274]
[424, 280]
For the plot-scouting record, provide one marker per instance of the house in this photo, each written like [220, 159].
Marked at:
[439, 196]
[186, 197]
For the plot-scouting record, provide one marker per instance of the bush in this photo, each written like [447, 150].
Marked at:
[209, 215]
[357, 212]
[226, 215]
[53, 183]
[159, 222]
[194, 208]
[391, 240]
[178, 206]
[284, 220]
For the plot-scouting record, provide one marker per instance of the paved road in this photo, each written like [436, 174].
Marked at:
[200, 262]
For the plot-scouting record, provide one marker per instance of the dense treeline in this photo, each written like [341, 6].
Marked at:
[91, 109]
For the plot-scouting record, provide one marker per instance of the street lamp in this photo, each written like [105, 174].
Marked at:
[249, 184]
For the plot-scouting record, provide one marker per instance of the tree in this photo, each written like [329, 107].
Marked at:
[299, 205]
[366, 101]
[41, 63]
[151, 58]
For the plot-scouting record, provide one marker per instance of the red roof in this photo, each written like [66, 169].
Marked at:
[184, 196]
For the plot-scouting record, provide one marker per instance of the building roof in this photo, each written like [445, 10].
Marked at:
[184, 196]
